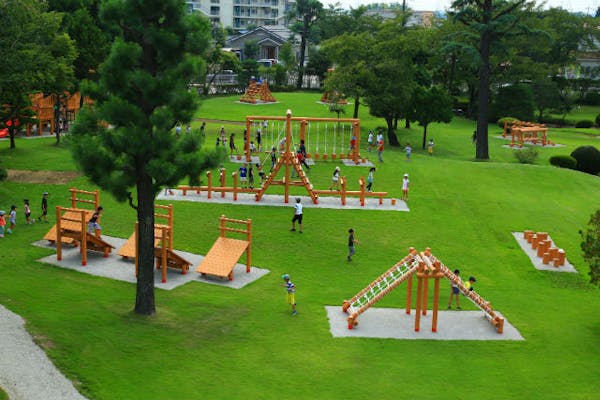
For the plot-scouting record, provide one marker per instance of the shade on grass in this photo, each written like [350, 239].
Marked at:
[216, 343]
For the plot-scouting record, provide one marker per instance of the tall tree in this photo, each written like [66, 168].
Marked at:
[591, 247]
[307, 13]
[491, 19]
[430, 105]
[35, 55]
[141, 93]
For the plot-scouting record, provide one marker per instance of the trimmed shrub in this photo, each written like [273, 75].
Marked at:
[584, 123]
[592, 99]
[588, 159]
[563, 161]
[502, 120]
[528, 155]
[3, 174]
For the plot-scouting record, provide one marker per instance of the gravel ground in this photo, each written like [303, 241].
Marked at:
[26, 373]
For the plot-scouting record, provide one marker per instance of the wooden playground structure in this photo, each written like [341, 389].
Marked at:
[545, 250]
[526, 132]
[81, 200]
[225, 252]
[163, 244]
[287, 162]
[72, 223]
[257, 92]
[425, 266]
[43, 107]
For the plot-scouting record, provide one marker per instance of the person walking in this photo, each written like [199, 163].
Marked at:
[405, 184]
[370, 179]
[430, 147]
[351, 243]
[297, 215]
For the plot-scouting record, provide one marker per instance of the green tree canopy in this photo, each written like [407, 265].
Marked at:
[141, 93]
[36, 56]
[430, 105]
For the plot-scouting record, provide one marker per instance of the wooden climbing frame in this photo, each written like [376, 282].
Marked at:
[72, 223]
[225, 252]
[80, 200]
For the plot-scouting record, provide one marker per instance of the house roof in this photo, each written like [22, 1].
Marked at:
[278, 34]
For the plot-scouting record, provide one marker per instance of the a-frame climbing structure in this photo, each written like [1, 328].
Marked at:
[288, 161]
[425, 266]
[258, 93]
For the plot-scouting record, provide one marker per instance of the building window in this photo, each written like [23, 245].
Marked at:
[214, 10]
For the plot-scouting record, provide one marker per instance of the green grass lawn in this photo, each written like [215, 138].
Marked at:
[217, 343]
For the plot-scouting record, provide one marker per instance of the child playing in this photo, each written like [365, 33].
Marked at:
[335, 179]
[250, 176]
[93, 225]
[12, 218]
[27, 210]
[430, 146]
[380, 150]
[370, 179]
[408, 150]
[454, 292]
[2, 223]
[261, 173]
[44, 215]
[252, 147]
[273, 158]
[405, 184]
[232, 144]
[351, 243]
[243, 174]
[469, 284]
[291, 292]
[370, 140]
[297, 216]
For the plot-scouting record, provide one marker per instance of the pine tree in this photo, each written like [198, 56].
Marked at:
[125, 139]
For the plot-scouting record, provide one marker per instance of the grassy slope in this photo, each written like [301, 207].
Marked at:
[218, 343]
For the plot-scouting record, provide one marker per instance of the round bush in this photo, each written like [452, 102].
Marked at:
[527, 155]
[563, 161]
[588, 159]
[585, 123]
[510, 120]
[3, 174]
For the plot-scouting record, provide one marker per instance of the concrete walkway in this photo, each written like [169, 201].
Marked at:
[394, 323]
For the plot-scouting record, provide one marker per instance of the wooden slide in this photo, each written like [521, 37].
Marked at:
[222, 257]
[51, 235]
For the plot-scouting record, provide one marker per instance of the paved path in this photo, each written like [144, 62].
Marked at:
[26, 373]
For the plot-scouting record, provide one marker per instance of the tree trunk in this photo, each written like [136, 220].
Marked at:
[57, 118]
[356, 105]
[424, 136]
[300, 77]
[144, 301]
[481, 152]
[11, 133]
[392, 139]
[407, 123]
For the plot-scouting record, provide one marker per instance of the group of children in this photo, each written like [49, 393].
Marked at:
[12, 215]
[93, 225]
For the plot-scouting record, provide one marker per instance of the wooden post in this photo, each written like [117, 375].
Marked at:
[355, 152]
[343, 197]
[83, 239]
[303, 124]
[247, 141]
[361, 183]
[235, 185]
[425, 294]
[222, 180]
[419, 298]
[163, 254]
[58, 234]
[222, 225]
[436, 296]
[408, 293]
[249, 248]
[287, 156]
[209, 182]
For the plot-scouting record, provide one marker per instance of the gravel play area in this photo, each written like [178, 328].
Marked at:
[248, 199]
[26, 373]
[394, 323]
[537, 261]
[115, 267]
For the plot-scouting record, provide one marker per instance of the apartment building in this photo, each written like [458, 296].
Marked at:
[241, 14]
